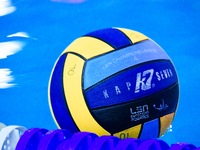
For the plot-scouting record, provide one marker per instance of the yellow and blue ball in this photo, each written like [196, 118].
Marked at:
[114, 81]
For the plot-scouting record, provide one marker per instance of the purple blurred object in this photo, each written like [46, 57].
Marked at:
[60, 139]
[80, 140]
[153, 145]
[31, 139]
[183, 146]
[128, 144]
[53, 138]
[104, 143]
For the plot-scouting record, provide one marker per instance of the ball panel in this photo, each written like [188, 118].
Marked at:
[110, 35]
[101, 67]
[72, 80]
[150, 130]
[128, 85]
[165, 122]
[57, 102]
[88, 47]
[132, 132]
[134, 36]
[126, 115]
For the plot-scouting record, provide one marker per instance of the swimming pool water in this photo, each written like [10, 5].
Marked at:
[34, 33]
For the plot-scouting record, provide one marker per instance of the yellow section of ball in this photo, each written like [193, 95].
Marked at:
[72, 80]
[88, 47]
[165, 122]
[129, 133]
[134, 36]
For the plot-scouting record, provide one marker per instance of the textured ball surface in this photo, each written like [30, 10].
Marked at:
[114, 81]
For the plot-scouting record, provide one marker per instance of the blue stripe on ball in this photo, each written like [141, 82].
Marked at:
[58, 103]
[103, 66]
[121, 87]
[111, 36]
[150, 130]
[123, 116]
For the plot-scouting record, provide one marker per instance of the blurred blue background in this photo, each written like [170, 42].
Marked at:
[34, 33]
